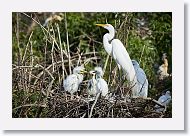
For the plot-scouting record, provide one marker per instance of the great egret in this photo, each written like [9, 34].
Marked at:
[121, 56]
[72, 82]
[141, 80]
[164, 100]
[97, 84]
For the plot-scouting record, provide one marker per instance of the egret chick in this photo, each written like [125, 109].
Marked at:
[92, 84]
[164, 100]
[72, 82]
[97, 84]
[141, 80]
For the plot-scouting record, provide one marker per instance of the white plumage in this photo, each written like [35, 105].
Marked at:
[117, 50]
[102, 86]
[72, 82]
[97, 84]
[141, 80]
[164, 100]
[92, 84]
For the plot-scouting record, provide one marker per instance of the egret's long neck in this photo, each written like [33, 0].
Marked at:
[98, 76]
[106, 39]
[111, 33]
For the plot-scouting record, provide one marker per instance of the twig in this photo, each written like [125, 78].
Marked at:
[31, 62]
[27, 47]
[52, 53]
[30, 105]
[83, 115]
[106, 63]
[61, 49]
[97, 96]
[43, 28]
[141, 54]
[46, 71]
[67, 37]
[155, 101]
[18, 37]
[79, 59]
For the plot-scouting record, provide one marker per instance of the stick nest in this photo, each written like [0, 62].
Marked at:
[61, 106]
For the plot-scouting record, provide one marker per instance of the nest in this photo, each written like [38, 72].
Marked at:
[62, 106]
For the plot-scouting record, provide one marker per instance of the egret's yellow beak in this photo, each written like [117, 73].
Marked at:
[92, 72]
[102, 25]
[83, 71]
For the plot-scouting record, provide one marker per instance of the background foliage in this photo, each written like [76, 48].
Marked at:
[37, 51]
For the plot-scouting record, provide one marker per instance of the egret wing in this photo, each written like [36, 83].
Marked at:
[122, 57]
[141, 76]
[102, 87]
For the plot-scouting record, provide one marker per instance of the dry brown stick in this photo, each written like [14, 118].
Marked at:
[31, 64]
[153, 100]
[18, 37]
[40, 26]
[68, 48]
[83, 115]
[52, 59]
[71, 111]
[90, 38]
[46, 71]
[26, 48]
[59, 62]
[49, 87]
[106, 63]
[142, 54]
[79, 59]
[97, 96]
[110, 71]
[30, 105]
[158, 103]
[43, 28]
[61, 51]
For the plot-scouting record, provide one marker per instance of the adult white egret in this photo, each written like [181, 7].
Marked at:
[72, 82]
[164, 100]
[97, 84]
[141, 80]
[116, 49]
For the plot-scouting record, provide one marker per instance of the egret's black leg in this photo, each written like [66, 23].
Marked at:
[120, 82]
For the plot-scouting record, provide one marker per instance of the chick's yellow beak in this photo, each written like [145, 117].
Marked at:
[92, 72]
[102, 25]
[83, 71]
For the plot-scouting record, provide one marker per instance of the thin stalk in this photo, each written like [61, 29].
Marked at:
[23, 58]
[67, 37]
[18, 37]
[141, 54]
[61, 49]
